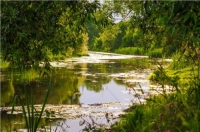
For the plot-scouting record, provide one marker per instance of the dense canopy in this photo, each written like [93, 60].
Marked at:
[31, 29]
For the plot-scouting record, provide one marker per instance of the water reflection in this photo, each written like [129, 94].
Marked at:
[79, 83]
[7, 92]
[95, 82]
[65, 81]
[7, 125]
[17, 122]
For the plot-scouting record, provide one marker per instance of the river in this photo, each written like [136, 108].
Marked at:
[89, 90]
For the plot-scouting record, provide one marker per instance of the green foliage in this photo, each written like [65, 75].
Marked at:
[179, 61]
[82, 49]
[130, 51]
[106, 40]
[155, 53]
[174, 19]
[131, 37]
[175, 111]
[103, 18]
[93, 31]
[29, 29]
[57, 57]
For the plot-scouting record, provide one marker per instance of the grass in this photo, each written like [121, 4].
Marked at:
[155, 53]
[31, 115]
[130, 51]
[182, 76]
[168, 112]
[161, 113]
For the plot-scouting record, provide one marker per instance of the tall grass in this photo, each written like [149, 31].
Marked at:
[155, 53]
[31, 115]
[130, 51]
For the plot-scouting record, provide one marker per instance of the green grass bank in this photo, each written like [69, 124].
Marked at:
[176, 111]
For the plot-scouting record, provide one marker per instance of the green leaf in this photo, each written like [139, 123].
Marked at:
[194, 17]
[173, 30]
[187, 17]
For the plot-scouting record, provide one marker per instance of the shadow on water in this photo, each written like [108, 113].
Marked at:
[69, 84]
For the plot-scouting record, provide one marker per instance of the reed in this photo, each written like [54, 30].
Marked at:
[31, 115]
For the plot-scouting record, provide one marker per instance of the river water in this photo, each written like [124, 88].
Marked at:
[90, 90]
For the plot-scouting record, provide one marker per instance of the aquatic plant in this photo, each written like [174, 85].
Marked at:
[31, 115]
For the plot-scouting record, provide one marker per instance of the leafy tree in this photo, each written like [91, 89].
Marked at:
[93, 31]
[105, 15]
[30, 29]
[119, 38]
[106, 40]
[176, 19]
[172, 25]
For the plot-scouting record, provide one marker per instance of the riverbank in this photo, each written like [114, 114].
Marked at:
[178, 110]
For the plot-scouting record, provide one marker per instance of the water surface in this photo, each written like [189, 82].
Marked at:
[110, 83]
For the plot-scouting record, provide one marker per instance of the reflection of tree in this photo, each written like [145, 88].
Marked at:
[123, 65]
[65, 82]
[136, 63]
[7, 92]
[18, 122]
[94, 83]
[63, 86]
[131, 84]
[118, 81]
[5, 122]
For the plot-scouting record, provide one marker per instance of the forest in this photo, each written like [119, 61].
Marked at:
[38, 32]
